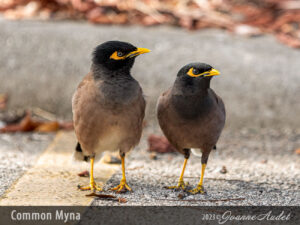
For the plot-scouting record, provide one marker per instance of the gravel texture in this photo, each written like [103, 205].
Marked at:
[262, 169]
[18, 152]
[41, 63]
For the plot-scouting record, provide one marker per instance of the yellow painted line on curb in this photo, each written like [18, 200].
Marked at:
[53, 180]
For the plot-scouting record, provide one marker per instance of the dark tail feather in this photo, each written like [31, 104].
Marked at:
[78, 147]
[78, 155]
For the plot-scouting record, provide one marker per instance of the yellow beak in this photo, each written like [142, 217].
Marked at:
[213, 72]
[139, 51]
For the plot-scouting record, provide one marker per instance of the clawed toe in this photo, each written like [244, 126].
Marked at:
[180, 186]
[122, 187]
[198, 190]
[93, 186]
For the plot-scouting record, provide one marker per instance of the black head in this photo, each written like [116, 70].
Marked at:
[116, 55]
[196, 75]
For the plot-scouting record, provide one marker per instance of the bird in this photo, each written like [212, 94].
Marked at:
[192, 116]
[108, 108]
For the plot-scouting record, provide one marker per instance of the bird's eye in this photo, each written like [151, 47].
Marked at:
[120, 54]
[196, 71]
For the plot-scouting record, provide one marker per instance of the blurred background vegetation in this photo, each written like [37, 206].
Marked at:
[46, 48]
[244, 17]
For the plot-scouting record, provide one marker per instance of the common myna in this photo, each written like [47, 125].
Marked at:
[192, 116]
[109, 107]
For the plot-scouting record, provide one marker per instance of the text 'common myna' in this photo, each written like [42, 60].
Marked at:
[192, 116]
[109, 107]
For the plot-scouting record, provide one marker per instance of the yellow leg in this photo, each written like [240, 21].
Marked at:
[181, 184]
[123, 186]
[199, 188]
[93, 186]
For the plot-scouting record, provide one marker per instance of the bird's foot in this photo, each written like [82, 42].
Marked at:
[122, 187]
[180, 186]
[198, 190]
[93, 186]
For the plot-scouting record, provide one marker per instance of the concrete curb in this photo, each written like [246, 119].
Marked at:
[55, 169]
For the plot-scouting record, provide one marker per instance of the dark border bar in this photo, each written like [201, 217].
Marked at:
[152, 215]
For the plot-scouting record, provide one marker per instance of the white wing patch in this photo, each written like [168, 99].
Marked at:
[196, 151]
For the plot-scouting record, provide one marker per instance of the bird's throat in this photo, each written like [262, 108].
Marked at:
[103, 73]
[191, 106]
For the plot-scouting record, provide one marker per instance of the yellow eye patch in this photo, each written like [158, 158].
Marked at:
[117, 55]
[193, 73]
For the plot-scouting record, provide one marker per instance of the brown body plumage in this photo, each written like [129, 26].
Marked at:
[191, 115]
[109, 107]
[199, 132]
[104, 124]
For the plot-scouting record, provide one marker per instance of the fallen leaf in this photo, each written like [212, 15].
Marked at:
[246, 30]
[297, 151]
[122, 200]
[84, 174]
[289, 40]
[28, 124]
[102, 196]
[292, 4]
[223, 170]
[47, 127]
[268, 16]
[82, 5]
[159, 144]
[181, 196]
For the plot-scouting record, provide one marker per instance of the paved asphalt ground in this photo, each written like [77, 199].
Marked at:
[42, 62]
[19, 152]
[261, 170]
